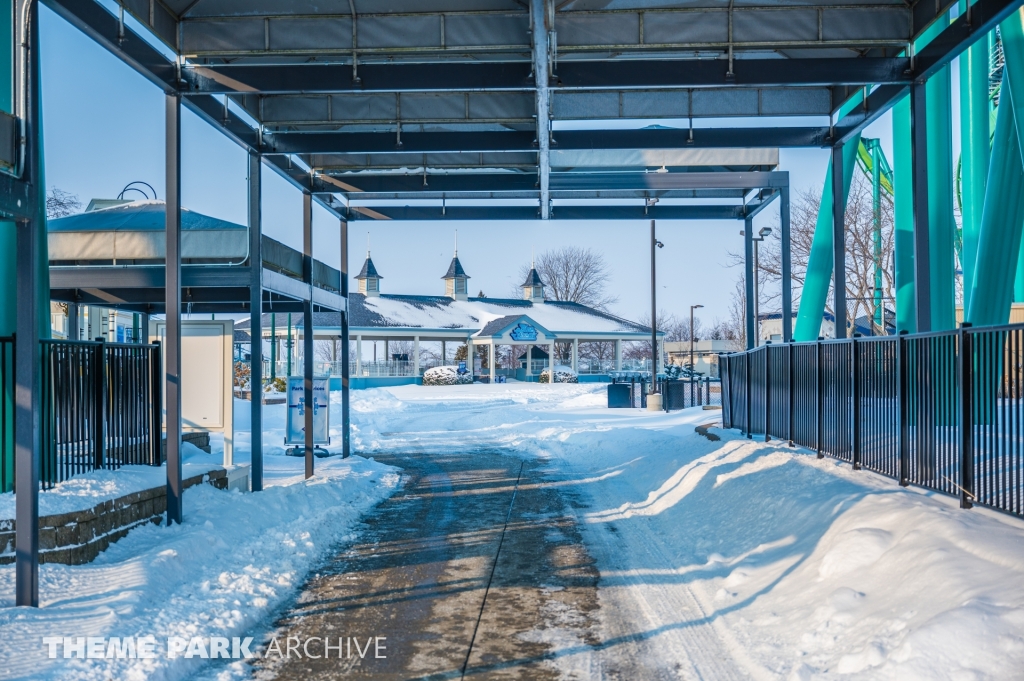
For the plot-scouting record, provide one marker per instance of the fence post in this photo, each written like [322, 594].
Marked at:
[100, 397]
[966, 418]
[767, 391]
[789, 426]
[156, 433]
[723, 376]
[903, 443]
[746, 394]
[855, 401]
[819, 398]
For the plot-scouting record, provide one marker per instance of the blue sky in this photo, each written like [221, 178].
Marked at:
[104, 129]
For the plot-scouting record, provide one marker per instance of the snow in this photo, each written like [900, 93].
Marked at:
[797, 568]
[718, 559]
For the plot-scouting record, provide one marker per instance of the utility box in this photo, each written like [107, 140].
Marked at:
[619, 396]
[207, 376]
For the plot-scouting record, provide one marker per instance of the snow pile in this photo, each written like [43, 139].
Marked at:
[83, 492]
[563, 374]
[223, 572]
[446, 376]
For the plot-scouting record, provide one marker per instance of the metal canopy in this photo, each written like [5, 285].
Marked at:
[319, 88]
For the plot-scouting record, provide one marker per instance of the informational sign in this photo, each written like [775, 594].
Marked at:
[523, 332]
[462, 367]
[295, 426]
[207, 376]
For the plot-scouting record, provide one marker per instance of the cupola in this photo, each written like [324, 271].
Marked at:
[369, 280]
[533, 287]
[456, 281]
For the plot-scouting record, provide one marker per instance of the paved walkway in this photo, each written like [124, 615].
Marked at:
[474, 569]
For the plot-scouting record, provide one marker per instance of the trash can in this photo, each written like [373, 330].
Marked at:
[619, 396]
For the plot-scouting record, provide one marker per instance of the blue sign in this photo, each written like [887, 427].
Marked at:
[524, 332]
[462, 368]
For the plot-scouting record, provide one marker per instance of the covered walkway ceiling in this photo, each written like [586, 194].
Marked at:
[370, 101]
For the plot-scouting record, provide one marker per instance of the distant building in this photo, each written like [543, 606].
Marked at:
[455, 319]
[770, 327]
[705, 354]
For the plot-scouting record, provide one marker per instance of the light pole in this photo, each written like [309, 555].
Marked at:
[654, 314]
[692, 365]
[761, 234]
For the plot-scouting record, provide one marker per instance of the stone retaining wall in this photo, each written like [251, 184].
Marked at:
[78, 537]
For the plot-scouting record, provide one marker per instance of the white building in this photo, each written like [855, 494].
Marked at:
[455, 319]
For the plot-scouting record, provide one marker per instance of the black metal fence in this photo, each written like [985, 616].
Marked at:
[941, 410]
[682, 394]
[101, 408]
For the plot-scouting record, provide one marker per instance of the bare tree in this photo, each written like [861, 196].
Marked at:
[860, 264]
[60, 203]
[574, 274]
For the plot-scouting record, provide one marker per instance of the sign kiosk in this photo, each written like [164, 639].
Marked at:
[295, 421]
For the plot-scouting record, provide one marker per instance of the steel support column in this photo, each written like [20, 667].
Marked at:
[975, 114]
[27, 445]
[922, 252]
[256, 320]
[839, 194]
[345, 368]
[787, 267]
[820, 261]
[32, 321]
[941, 224]
[541, 16]
[307, 326]
[748, 280]
[1002, 220]
[903, 238]
[172, 305]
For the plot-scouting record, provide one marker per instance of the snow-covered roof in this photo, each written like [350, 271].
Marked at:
[441, 312]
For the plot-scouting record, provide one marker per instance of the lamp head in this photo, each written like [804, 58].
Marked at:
[659, 244]
[765, 231]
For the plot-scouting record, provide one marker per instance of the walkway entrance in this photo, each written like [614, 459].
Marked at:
[470, 571]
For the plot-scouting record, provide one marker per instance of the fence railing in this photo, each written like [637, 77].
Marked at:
[940, 410]
[682, 394]
[100, 408]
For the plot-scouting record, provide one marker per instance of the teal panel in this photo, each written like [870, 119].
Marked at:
[903, 191]
[1002, 219]
[941, 223]
[975, 145]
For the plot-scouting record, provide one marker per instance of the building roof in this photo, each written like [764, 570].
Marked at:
[136, 216]
[441, 312]
[368, 270]
[499, 326]
[532, 279]
[455, 270]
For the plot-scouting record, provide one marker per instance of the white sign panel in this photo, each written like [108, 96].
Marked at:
[295, 428]
[207, 376]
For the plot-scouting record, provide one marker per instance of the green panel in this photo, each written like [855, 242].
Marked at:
[941, 223]
[1001, 222]
[819, 264]
[903, 183]
[975, 114]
